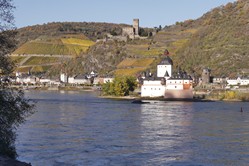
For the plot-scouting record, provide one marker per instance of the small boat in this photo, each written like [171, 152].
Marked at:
[139, 102]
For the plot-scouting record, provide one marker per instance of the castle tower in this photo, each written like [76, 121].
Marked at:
[136, 26]
[164, 68]
[205, 76]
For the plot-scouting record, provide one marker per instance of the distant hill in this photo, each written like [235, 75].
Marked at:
[91, 30]
[67, 38]
[218, 40]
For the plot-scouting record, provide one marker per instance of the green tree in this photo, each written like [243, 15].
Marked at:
[14, 108]
[121, 86]
[143, 32]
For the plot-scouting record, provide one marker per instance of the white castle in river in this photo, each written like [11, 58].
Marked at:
[168, 85]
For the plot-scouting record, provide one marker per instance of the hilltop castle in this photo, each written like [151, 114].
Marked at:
[133, 31]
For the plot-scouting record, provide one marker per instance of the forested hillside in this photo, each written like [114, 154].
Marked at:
[220, 41]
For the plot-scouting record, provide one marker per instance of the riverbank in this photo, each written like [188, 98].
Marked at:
[137, 98]
[5, 161]
[55, 88]
[195, 99]
[199, 96]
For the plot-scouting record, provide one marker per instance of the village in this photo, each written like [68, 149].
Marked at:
[164, 83]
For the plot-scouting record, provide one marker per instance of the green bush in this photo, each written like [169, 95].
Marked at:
[121, 86]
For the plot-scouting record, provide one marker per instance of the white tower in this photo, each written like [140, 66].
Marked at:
[164, 69]
[63, 78]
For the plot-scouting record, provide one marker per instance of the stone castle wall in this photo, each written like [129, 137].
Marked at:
[178, 94]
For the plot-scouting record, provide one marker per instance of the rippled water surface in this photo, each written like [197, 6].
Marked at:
[77, 128]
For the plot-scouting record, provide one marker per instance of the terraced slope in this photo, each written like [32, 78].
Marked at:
[55, 46]
[41, 54]
[133, 66]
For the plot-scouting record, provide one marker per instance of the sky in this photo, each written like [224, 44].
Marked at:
[151, 13]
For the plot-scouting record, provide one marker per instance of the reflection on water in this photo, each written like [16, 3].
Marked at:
[80, 129]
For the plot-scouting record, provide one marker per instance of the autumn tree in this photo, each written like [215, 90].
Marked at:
[14, 108]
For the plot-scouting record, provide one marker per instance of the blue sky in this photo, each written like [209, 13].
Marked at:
[150, 12]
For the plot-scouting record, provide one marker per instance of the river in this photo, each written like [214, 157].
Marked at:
[78, 128]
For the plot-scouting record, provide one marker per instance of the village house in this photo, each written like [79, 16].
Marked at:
[78, 79]
[238, 81]
[44, 80]
[25, 79]
[63, 78]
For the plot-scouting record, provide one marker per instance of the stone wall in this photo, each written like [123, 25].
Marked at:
[178, 94]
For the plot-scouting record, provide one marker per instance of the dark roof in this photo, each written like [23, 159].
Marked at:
[180, 75]
[181, 78]
[153, 78]
[166, 61]
[80, 77]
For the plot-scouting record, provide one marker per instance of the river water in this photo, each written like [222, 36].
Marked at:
[77, 128]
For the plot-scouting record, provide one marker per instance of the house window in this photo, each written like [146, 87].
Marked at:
[175, 86]
[159, 89]
[144, 88]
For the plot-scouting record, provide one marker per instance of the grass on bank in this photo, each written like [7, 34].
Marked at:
[229, 95]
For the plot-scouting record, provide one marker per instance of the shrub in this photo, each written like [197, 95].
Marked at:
[121, 86]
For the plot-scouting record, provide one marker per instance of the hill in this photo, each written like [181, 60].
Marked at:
[68, 38]
[91, 30]
[217, 40]
[220, 41]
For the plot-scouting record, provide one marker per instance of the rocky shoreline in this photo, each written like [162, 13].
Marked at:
[6, 161]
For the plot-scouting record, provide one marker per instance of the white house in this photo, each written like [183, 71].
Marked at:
[233, 81]
[238, 81]
[44, 80]
[80, 79]
[244, 81]
[63, 77]
[152, 88]
[27, 79]
[219, 80]
[103, 80]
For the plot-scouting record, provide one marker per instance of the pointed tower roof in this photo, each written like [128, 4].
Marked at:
[166, 61]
